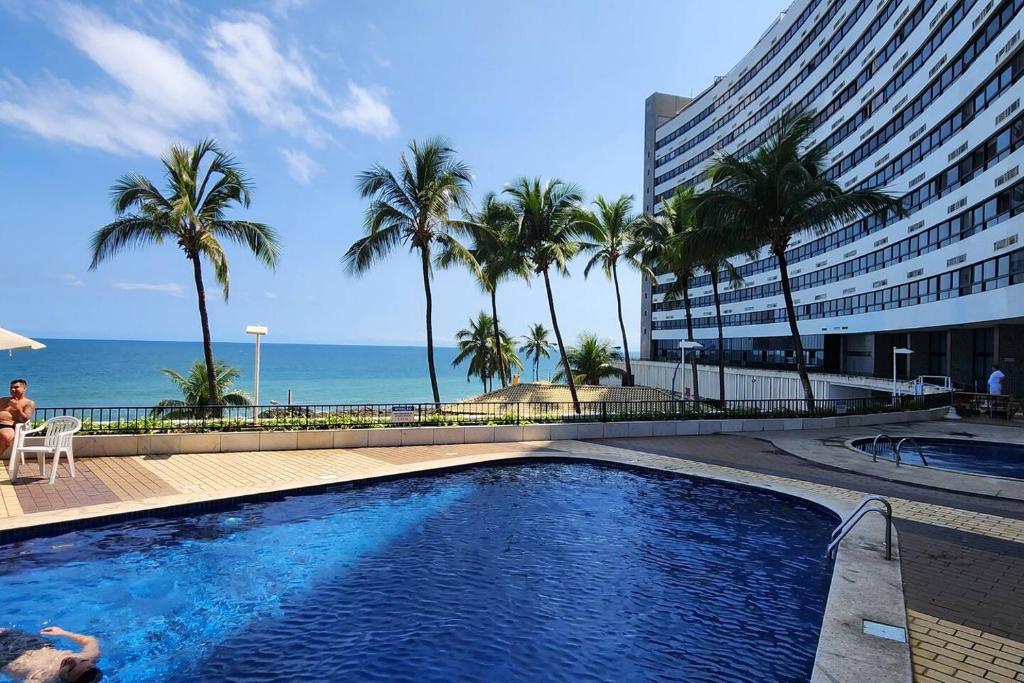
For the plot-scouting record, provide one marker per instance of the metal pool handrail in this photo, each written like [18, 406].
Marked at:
[920, 453]
[874, 445]
[863, 508]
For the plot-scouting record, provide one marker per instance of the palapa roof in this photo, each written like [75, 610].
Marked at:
[542, 392]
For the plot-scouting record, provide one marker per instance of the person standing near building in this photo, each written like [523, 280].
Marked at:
[995, 381]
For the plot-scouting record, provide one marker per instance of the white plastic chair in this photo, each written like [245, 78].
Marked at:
[17, 456]
[57, 440]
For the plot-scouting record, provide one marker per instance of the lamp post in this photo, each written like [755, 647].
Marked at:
[897, 351]
[683, 345]
[256, 331]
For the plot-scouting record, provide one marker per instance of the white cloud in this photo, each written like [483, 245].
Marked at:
[301, 166]
[151, 95]
[156, 74]
[265, 81]
[156, 90]
[366, 111]
[270, 295]
[72, 280]
[59, 111]
[172, 288]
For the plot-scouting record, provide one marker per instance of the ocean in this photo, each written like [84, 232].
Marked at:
[88, 372]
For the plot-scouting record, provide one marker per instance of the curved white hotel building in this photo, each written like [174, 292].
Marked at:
[921, 98]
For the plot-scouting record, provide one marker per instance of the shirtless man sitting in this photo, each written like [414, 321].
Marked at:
[27, 657]
[14, 409]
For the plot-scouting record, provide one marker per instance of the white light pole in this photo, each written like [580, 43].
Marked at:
[683, 345]
[897, 351]
[256, 331]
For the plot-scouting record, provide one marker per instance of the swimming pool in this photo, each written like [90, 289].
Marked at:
[544, 570]
[958, 455]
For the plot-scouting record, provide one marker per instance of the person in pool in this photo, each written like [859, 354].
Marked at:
[27, 657]
[14, 409]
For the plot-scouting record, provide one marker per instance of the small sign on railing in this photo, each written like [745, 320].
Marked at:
[403, 414]
[841, 408]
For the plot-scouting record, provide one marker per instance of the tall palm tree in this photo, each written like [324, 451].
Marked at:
[713, 256]
[780, 191]
[203, 182]
[548, 232]
[414, 208]
[590, 360]
[493, 232]
[658, 246]
[195, 391]
[536, 345]
[612, 230]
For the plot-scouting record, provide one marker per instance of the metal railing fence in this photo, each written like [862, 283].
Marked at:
[156, 420]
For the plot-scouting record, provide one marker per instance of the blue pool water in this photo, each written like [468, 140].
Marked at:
[543, 571]
[959, 455]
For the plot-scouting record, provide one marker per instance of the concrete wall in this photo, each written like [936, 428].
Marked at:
[752, 383]
[165, 444]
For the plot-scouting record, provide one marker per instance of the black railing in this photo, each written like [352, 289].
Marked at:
[151, 420]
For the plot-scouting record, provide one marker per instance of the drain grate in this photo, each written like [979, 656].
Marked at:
[874, 628]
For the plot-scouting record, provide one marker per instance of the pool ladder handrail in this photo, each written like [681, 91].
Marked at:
[863, 508]
[874, 445]
[920, 453]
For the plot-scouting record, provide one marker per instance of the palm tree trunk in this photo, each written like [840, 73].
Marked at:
[497, 337]
[794, 330]
[425, 258]
[721, 340]
[536, 368]
[561, 346]
[622, 326]
[689, 332]
[204, 320]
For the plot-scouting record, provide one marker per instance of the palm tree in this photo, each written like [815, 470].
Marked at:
[190, 215]
[195, 391]
[658, 246]
[493, 233]
[537, 346]
[613, 230]
[780, 191]
[506, 357]
[414, 209]
[590, 360]
[548, 232]
[477, 344]
[713, 256]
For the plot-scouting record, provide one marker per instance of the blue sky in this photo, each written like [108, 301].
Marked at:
[307, 93]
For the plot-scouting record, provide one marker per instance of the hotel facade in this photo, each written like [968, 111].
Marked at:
[920, 98]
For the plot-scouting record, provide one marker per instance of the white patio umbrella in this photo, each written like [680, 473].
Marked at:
[11, 341]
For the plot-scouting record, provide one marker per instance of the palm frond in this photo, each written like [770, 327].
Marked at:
[129, 232]
[367, 251]
[261, 239]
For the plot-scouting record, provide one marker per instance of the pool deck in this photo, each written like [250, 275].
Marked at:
[962, 554]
